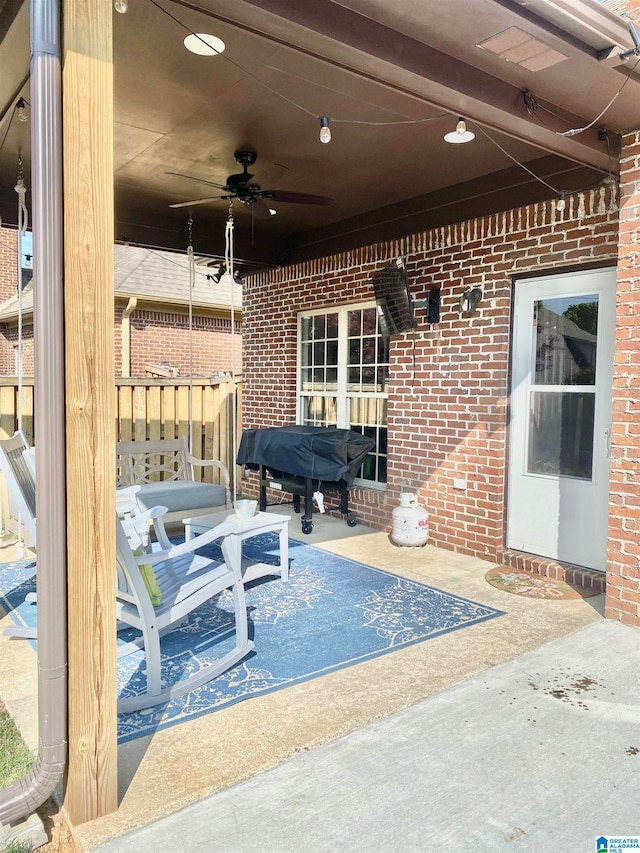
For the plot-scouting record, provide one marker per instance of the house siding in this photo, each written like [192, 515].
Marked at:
[448, 416]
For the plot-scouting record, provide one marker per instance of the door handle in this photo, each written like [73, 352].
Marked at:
[607, 442]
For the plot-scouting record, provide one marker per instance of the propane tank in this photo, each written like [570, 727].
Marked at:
[409, 522]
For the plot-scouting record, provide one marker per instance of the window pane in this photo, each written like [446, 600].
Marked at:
[332, 352]
[383, 350]
[561, 434]
[306, 379]
[306, 328]
[353, 378]
[332, 325]
[355, 323]
[305, 354]
[369, 352]
[354, 351]
[565, 341]
[369, 321]
[319, 353]
[319, 411]
[318, 326]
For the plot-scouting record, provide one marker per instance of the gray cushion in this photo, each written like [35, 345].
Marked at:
[179, 495]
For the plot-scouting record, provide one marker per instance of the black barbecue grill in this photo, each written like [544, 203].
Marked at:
[298, 460]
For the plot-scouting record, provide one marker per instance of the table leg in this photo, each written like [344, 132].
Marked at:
[284, 552]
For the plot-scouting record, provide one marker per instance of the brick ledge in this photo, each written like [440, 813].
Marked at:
[578, 575]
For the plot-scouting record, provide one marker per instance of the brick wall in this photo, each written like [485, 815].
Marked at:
[157, 336]
[8, 263]
[623, 573]
[447, 418]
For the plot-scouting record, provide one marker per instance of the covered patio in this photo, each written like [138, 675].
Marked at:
[391, 81]
[164, 772]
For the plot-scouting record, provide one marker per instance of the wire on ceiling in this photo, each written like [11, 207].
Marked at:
[530, 102]
[289, 100]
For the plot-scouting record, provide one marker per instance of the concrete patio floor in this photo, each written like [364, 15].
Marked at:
[163, 774]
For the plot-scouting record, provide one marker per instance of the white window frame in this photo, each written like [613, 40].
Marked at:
[342, 394]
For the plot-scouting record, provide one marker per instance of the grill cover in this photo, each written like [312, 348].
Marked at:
[322, 453]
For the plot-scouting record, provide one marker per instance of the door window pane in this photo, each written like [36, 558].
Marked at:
[561, 434]
[565, 340]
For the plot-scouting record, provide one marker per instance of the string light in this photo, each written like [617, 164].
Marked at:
[560, 204]
[21, 111]
[460, 134]
[325, 130]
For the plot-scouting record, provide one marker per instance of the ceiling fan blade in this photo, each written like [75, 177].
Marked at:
[199, 180]
[296, 198]
[198, 201]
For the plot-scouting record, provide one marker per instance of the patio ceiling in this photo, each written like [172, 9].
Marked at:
[393, 78]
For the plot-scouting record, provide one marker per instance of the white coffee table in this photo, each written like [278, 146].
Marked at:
[261, 522]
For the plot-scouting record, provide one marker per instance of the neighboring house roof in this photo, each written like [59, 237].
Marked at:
[164, 276]
[155, 276]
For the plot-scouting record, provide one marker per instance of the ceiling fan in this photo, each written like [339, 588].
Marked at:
[240, 187]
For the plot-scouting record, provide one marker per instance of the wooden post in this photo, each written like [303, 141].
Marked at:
[91, 785]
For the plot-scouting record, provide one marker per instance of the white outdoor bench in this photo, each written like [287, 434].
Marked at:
[164, 470]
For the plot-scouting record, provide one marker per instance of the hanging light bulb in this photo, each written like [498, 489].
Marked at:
[121, 6]
[560, 204]
[325, 130]
[20, 110]
[460, 134]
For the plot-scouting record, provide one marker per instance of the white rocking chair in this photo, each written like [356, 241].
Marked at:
[16, 464]
[185, 580]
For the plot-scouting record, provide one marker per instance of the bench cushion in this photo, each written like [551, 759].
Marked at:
[181, 495]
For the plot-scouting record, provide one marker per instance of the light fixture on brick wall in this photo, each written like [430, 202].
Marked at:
[470, 299]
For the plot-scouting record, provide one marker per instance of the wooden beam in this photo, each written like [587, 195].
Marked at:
[91, 785]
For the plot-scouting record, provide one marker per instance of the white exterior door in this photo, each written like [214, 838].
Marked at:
[560, 428]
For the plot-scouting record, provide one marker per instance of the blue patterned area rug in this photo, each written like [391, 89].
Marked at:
[332, 613]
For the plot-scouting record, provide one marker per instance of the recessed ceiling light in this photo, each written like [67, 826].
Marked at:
[204, 44]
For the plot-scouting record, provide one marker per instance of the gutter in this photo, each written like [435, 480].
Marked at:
[126, 336]
[27, 794]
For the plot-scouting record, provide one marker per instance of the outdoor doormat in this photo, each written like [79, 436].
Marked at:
[534, 586]
[332, 613]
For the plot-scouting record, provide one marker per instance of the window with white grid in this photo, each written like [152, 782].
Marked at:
[343, 378]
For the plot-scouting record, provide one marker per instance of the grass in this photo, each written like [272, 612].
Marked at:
[15, 758]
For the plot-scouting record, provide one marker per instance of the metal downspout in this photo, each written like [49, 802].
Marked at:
[25, 796]
[126, 336]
